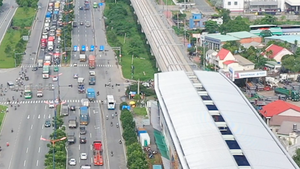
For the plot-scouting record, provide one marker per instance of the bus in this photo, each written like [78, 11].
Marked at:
[46, 71]
[111, 103]
[95, 5]
[262, 27]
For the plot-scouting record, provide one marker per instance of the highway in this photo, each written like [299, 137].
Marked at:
[7, 11]
[98, 128]
[168, 55]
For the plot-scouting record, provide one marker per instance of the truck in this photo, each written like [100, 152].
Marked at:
[90, 94]
[80, 82]
[86, 5]
[46, 71]
[97, 149]
[92, 62]
[85, 102]
[39, 92]
[27, 92]
[43, 43]
[84, 116]
[82, 57]
[48, 15]
[65, 108]
[290, 94]
[85, 167]
[48, 59]
[40, 63]
[71, 137]
[72, 122]
[50, 45]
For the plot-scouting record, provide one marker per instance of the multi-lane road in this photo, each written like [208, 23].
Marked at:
[27, 150]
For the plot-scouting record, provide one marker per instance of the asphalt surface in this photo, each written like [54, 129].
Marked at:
[7, 12]
[98, 128]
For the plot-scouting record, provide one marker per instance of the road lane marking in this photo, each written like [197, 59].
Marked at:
[90, 135]
[45, 107]
[31, 126]
[39, 116]
[24, 163]
[91, 147]
[79, 147]
[42, 126]
[29, 138]
[44, 116]
[39, 149]
[28, 116]
[49, 116]
[37, 162]
[27, 150]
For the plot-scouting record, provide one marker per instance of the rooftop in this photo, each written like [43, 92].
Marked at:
[243, 61]
[289, 38]
[242, 35]
[222, 38]
[287, 127]
[277, 107]
[187, 108]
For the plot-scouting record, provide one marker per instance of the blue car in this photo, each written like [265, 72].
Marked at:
[101, 48]
[75, 48]
[92, 48]
[82, 48]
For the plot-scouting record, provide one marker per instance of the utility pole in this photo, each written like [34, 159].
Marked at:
[138, 87]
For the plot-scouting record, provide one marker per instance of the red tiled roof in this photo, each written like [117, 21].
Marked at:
[228, 62]
[223, 53]
[275, 50]
[277, 107]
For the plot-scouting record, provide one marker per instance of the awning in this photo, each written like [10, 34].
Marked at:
[271, 66]
[161, 144]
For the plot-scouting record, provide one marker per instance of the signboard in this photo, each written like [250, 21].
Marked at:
[231, 71]
[242, 75]
[25, 38]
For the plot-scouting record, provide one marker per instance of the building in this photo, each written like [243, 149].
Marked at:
[197, 21]
[288, 132]
[292, 5]
[291, 39]
[221, 58]
[207, 122]
[215, 41]
[234, 5]
[276, 52]
[261, 5]
[278, 111]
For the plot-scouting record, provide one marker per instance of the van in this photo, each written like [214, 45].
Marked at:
[74, 24]
[10, 84]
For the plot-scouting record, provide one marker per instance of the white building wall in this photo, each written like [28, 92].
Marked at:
[234, 5]
[279, 56]
[290, 112]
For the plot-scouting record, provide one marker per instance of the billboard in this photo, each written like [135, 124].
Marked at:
[252, 74]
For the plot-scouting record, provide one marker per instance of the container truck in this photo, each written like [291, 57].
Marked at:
[92, 62]
[90, 94]
[97, 148]
[84, 116]
[27, 92]
[50, 45]
[290, 94]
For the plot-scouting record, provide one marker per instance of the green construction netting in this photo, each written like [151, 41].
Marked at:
[161, 144]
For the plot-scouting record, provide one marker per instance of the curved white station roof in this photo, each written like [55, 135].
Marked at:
[197, 138]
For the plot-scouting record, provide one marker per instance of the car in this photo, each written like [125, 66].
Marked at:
[72, 162]
[81, 8]
[72, 108]
[87, 24]
[75, 76]
[47, 123]
[81, 23]
[82, 140]
[51, 104]
[34, 68]
[55, 78]
[83, 156]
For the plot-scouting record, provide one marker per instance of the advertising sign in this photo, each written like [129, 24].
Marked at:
[242, 75]
[232, 73]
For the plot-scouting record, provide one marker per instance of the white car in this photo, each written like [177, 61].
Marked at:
[75, 76]
[51, 104]
[83, 156]
[55, 78]
[72, 162]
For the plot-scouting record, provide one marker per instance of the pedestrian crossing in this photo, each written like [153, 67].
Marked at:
[71, 65]
[42, 102]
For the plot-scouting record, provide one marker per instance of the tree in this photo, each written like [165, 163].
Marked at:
[291, 62]
[267, 19]
[232, 46]
[296, 157]
[1, 2]
[211, 26]
[225, 14]
[129, 135]
[236, 25]
[8, 50]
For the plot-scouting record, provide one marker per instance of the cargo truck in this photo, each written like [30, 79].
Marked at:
[92, 62]
[40, 63]
[97, 148]
[65, 109]
[84, 116]
[86, 5]
[90, 94]
[71, 138]
[27, 92]
[72, 122]
[48, 15]
[80, 82]
[85, 102]
[290, 94]
[82, 57]
[50, 45]
[39, 92]
[43, 43]
[48, 59]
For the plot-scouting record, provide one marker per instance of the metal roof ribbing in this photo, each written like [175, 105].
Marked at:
[261, 148]
[197, 139]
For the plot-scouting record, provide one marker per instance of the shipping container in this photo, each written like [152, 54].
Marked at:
[144, 139]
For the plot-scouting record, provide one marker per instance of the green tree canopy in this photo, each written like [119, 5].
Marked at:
[211, 26]
[235, 25]
[267, 19]
[291, 62]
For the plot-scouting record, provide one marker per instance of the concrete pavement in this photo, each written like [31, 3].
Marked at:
[7, 11]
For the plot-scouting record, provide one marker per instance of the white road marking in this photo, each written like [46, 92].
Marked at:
[39, 116]
[31, 126]
[28, 116]
[90, 135]
[27, 150]
[24, 163]
[39, 149]
[29, 138]
[37, 162]
[44, 116]
[49, 116]
[79, 147]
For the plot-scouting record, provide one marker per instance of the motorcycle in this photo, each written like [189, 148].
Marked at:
[120, 141]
